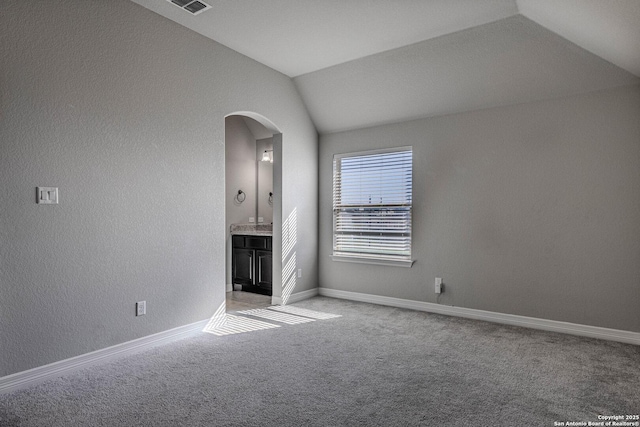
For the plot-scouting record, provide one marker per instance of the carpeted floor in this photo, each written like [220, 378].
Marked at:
[371, 366]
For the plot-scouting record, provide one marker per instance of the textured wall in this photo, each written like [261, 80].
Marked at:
[532, 210]
[124, 111]
[240, 174]
[265, 181]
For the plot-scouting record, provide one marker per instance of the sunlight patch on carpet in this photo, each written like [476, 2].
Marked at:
[239, 324]
[276, 316]
[245, 320]
[304, 312]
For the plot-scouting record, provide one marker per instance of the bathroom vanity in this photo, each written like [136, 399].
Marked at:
[251, 258]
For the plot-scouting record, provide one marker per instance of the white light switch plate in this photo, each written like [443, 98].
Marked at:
[47, 195]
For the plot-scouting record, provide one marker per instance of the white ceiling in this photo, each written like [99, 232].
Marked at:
[257, 129]
[300, 36]
[359, 63]
[607, 28]
[506, 62]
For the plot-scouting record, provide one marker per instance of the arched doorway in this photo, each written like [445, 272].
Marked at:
[253, 197]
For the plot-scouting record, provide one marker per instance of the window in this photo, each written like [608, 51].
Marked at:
[372, 194]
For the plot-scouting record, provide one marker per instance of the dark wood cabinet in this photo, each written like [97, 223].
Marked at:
[243, 266]
[251, 261]
[263, 269]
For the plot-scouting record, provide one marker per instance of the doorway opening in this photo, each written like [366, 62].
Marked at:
[252, 210]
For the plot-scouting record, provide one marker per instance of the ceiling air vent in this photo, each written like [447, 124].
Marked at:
[195, 7]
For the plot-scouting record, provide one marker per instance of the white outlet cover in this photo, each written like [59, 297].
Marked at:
[141, 308]
[438, 285]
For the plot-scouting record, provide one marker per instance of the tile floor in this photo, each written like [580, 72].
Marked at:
[238, 300]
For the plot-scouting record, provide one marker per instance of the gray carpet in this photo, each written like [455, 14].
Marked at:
[373, 366]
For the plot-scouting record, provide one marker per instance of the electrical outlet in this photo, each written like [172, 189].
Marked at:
[438, 285]
[141, 308]
[299, 272]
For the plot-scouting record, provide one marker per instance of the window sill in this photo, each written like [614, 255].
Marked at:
[376, 261]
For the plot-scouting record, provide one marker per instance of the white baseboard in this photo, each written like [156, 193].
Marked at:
[33, 376]
[42, 373]
[229, 287]
[490, 316]
[298, 296]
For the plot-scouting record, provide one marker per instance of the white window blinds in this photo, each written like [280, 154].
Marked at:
[372, 194]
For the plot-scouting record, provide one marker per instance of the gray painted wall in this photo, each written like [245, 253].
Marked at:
[265, 181]
[124, 111]
[240, 174]
[240, 170]
[532, 210]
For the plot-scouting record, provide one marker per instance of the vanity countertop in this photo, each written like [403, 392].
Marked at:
[252, 229]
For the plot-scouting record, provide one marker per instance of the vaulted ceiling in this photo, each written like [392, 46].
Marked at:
[360, 63]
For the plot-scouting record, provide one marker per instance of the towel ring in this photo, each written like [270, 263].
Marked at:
[241, 196]
[270, 197]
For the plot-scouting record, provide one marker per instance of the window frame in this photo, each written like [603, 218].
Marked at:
[363, 257]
